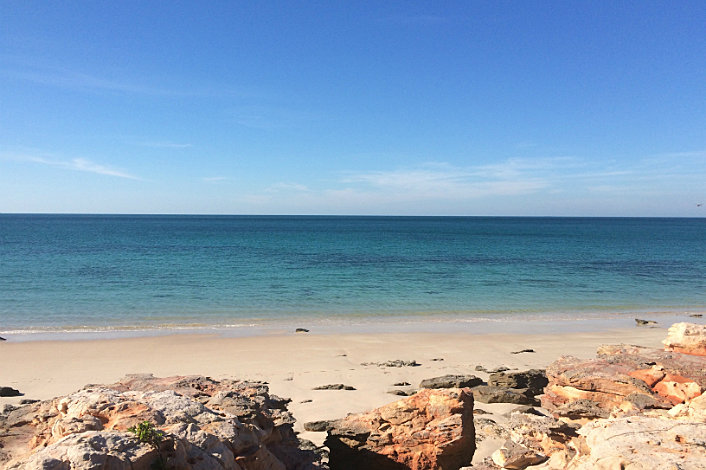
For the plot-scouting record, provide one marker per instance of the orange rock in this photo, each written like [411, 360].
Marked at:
[432, 429]
[677, 389]
[650, 376]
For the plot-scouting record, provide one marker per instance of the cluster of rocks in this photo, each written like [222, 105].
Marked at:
[207, 424]
[629, 407]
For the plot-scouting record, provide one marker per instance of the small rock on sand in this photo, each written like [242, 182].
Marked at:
[9, 392]
[301, 330]
[523, 351]
[334, 387]
[640, 322]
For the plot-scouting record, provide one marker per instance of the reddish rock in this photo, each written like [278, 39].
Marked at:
[687, 338]
[677, 389]
[640, 358]
[430, 430]
[598, 381]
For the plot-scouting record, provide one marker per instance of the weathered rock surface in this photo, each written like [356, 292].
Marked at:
[451, 381]
[638, 357]
[641, 442]
[491, 394]
[430, 430]
[606, 384]
[516, 456]
[208, 424]
[687, 338]
[534, 380]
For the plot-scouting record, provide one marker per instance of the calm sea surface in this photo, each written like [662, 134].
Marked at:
[93, 272]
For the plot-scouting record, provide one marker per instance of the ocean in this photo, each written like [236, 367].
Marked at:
[112, 273]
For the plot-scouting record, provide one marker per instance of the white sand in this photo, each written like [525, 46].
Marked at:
[295, 363]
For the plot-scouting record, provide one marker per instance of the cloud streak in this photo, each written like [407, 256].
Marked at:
[82, 164]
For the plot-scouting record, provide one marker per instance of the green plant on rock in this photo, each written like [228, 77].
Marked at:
[148, 434]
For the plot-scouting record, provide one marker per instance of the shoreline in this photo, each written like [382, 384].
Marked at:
[496, 323]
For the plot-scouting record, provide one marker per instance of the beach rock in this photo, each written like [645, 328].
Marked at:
[402, 393]
[639, 322]
[637, 358]
[480, 368]
[492, 394]
[696, 315]
[487, 428]
[534, 380]
[401, 384]
[2, 339]
[301, 330]
[687, 338]
[523, 351]
[28, 401]
[9, 392]
[430, 430]
[317, 426]
[694, 409]
[395, 363]
[334, 387]
[544, 434]
[640, 442]
[207, 424]
[516, 456]
[605, 384]
[451, 381]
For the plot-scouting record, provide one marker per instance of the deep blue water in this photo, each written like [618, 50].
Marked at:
[93, 271]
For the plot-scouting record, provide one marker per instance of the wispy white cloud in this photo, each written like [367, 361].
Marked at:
[76, 164]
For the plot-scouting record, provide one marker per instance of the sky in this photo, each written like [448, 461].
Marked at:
[528, 108]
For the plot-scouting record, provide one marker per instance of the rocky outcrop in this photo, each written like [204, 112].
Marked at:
[639, 442]
[687, 338]
[206, 424]
[430, 430]
[603, 384]
[638, 357]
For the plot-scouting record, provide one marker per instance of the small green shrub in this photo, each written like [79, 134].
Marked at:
[147, 433]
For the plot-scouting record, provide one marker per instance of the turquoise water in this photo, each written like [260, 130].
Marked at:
[92, 272]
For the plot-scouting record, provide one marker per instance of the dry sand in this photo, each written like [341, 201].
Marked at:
[293, 364]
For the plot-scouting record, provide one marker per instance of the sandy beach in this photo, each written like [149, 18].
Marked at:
[293, 364]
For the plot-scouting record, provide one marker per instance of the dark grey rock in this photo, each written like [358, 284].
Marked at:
[492, 394]
[401, 384]
[301, 330]
[318, 426]
[581, 409]
[402, 393]
[451, 381]
[523, 351]
[28, 401]
[696, 315]
[334, 387]
[9, 392]
[534, 379]
[640, 322]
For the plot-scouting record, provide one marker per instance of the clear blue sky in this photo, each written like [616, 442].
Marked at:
[361, 107]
